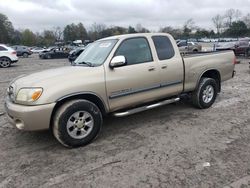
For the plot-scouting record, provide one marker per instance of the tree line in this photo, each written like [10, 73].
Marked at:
[232, 23]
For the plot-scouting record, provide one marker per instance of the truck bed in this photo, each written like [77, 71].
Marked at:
[196, 64]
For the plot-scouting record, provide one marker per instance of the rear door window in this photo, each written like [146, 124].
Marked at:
[2, 48]
[164, 47]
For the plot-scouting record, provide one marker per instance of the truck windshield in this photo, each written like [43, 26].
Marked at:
[96, 53]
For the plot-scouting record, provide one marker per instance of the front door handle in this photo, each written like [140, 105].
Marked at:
[164, 67]
[151, 68]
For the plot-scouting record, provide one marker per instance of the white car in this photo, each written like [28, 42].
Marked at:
[37, 50]
[7, 56]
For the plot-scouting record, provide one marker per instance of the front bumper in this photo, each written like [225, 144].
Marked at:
[30, 118]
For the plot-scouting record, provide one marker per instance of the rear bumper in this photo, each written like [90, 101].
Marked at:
[30, 118]
[13, 58]
[14, 61]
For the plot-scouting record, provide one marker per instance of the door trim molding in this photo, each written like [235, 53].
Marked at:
[131, 91]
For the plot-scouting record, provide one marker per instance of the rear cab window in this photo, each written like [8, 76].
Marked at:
[164, 47]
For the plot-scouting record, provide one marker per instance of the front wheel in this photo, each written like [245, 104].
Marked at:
[5, 62]
[77, 123]
[206, 93]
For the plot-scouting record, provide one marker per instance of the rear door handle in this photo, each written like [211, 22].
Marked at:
[151, 68]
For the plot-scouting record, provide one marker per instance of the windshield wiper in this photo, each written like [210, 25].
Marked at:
[84, 63]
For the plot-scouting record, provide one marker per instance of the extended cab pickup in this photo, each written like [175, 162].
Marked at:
[119, 75]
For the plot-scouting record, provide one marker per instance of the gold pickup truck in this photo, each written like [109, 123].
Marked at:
[120, 76]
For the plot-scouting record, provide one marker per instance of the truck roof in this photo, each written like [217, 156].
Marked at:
[133, 35]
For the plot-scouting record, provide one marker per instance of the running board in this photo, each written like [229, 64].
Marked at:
[143, 108]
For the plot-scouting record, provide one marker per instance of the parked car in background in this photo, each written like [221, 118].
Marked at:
[73, 54]
[23, 51]
[239, 47]
[54, 53]
[7, 56]
[192, 40]
[227, 39]
[185, 46]
[38, 50]
[48, 49]
[205, 40]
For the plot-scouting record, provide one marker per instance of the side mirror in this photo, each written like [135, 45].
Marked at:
[117, 61]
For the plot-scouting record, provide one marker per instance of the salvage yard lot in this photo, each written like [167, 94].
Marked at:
[175, 145]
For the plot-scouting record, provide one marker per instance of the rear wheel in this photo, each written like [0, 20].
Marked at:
[5, 62]
[205, 95]
[77, 123]
[25, 55]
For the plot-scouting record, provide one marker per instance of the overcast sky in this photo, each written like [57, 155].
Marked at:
[152, 14]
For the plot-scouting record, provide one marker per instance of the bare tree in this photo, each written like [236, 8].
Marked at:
[231, 15]
[95, 31]
[190, 24]
[188, 27]
[246, 19]
[97, 27]
[237, 14]
[175, 32]
[218, 23]
[58, 32]
[138, 27]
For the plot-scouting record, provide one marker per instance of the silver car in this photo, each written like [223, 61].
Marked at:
[185, 46]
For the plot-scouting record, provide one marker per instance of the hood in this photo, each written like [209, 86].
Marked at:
[63, 81]
[55, 76]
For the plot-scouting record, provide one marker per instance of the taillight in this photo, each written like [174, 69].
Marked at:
[235, 61]
[14, 52]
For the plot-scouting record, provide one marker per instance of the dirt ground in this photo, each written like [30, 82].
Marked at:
[172, 146]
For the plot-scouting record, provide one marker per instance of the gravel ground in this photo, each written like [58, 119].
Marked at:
[172, 146]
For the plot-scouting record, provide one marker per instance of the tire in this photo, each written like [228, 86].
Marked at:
[204, 96]
[76, 123]
[5, 62]
[25, 55]
[48, 56]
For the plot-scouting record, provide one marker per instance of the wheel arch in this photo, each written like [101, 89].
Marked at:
[211, 73]
[92, 97]
[5, 57]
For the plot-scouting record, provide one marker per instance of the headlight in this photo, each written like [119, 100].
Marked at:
[29, 94]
